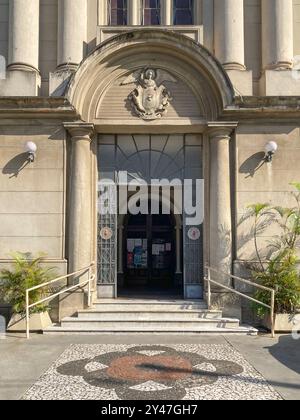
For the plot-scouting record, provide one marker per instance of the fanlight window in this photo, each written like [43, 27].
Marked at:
[151, 12]
[183, 12]
[117, 12]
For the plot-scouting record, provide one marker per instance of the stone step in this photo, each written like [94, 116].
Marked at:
[242, 330]
[140, 305]
[142, 323]
[154, 316]
[151, 314]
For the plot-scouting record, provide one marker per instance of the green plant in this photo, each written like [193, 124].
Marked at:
[27, 272]
[280, 270]
[281, 273]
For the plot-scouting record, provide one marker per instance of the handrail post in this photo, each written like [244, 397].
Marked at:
[27, 316]
[208, 288]
[273, 314]
[89, 289]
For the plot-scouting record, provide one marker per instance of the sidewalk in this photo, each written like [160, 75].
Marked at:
[22, 362]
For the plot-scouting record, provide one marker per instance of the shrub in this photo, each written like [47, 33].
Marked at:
[27, 272]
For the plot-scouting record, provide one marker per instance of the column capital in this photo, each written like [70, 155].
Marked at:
[219, 130]
[80, 130]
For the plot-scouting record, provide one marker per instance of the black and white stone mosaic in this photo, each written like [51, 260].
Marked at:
[175, 372]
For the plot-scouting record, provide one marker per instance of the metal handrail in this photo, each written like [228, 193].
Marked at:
[91, 278]
[259, 286]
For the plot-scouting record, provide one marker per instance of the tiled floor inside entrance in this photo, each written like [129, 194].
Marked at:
[151, 372]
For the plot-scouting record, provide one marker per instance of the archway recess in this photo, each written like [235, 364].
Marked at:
[99, 94]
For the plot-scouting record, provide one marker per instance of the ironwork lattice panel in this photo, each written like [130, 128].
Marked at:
[107, 247]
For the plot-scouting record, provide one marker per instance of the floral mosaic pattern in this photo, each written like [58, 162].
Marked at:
[179, 372]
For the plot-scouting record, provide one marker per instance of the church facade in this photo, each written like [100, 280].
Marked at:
[112, 98]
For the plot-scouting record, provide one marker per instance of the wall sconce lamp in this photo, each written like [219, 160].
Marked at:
[270, 149]
[31, 149]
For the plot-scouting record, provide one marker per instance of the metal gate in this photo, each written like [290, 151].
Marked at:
[107, 234]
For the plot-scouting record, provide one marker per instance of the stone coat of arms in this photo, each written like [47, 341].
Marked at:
[150, 99]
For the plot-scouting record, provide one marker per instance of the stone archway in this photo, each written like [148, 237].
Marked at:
[126, 53]
[99, 79]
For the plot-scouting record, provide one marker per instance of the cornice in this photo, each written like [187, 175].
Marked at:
[251, 109]
[248, 109]
[36, 107]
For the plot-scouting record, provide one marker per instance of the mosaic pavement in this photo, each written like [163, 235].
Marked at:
[177, 372]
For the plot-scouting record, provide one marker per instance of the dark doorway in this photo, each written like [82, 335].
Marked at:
[150, 257]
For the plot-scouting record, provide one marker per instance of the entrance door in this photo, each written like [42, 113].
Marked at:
[148, 245]
[150, 258]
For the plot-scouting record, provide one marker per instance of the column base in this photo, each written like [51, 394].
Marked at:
[242, 81]
[69, 303]
[229, 303]
[106, 291]
[20, 83]
[193, 291]
[280, 83]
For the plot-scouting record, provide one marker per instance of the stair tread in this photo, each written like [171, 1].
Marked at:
[149, 301]
[136, 329]
[156, 311]
[203, 320]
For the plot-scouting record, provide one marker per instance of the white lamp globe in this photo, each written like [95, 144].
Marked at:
[30, 147]
[271, 147]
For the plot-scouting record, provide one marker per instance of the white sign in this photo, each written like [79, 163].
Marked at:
[106, 233]
[194, 234]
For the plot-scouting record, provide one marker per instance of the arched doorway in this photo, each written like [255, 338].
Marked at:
[102, 93]
[149, 256]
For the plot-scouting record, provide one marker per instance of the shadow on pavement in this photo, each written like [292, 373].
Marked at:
[287, 352]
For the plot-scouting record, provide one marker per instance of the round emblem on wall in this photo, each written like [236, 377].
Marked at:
[106, 233]
[194, 234]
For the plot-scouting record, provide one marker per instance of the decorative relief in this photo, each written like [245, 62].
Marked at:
[150, 99]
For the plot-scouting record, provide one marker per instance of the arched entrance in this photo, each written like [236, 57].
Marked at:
[149, 256]
[108, 93]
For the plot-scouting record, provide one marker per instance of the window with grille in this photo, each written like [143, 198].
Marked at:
[183, 12]
[117, 12]
[151, 12]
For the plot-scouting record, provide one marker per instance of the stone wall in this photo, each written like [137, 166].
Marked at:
[48, 42]
[261, 183]
[32, 196]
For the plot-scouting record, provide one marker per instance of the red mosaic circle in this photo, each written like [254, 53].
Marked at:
[156, 368]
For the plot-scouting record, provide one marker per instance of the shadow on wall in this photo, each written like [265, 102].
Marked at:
[5, 315]
[287, 352]
[16, 165]
[252, 164]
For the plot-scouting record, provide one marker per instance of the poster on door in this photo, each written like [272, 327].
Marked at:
[137, 253]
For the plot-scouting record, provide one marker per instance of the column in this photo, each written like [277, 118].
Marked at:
[277, 34]
[178, 250]
[120, 250]
[167, 12]
[102, 13]
[72, 33]
[220, 201]
[134, 12]
[24, 17]
[229, 33]
[80, 197]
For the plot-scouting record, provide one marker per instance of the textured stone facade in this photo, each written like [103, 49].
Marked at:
[237, 87]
